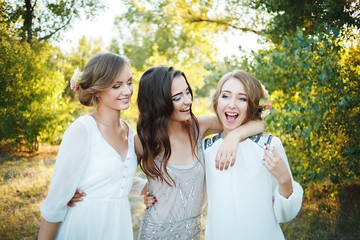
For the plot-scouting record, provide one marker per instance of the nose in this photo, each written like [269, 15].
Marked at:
[232, 103]
[188, 99]
[126, 90]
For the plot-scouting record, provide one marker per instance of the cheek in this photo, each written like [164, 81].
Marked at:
[176, 106]
[220, 105]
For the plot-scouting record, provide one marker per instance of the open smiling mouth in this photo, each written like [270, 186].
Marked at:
[231, 117]
[185, 110]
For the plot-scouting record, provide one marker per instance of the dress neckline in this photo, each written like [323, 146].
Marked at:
[108, 144]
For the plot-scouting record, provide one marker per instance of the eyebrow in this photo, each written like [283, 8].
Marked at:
[179, 93]
[130, 78]
[227, 91]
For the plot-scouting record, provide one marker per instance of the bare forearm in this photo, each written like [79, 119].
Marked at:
[248, 129]
[285, 187]
[48, 230]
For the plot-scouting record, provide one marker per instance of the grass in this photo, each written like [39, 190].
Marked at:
[25, 179]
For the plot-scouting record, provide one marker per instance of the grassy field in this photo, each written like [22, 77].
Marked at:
[25, 179]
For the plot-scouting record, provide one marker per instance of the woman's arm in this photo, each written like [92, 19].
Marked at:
[227, 151]
[210, 124]
[70, 164]
[48, 230]
[287, 193]
[277, 167]
[138, 146]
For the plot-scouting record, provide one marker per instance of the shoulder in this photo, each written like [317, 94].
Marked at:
[128, 128]
[83, 122]
[261, 139]
[210, 141]
[138, 146]
[79, 132]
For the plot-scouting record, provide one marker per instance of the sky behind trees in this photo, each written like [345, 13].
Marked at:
[102, 26]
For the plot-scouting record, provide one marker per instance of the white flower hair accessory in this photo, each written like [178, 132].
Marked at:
[266, 106]
[75, 79]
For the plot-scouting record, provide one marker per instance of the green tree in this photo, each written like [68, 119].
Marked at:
[312, 17]
[314, 77]
[44, 20]
[31, 105]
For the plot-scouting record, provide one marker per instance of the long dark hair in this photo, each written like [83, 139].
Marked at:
[156, 106]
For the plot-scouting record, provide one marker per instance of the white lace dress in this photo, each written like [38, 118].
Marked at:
[244, 201]
[86, 161]
[177, 214]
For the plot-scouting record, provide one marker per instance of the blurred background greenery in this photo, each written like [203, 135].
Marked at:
[309, 60]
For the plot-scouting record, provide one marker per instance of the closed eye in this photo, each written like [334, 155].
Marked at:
[116, 86]
[225, 96]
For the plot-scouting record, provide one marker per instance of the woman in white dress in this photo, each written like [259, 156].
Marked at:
[96, 155]
[169, 145]
[250, 199]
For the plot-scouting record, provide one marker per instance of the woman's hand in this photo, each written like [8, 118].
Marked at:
[76, 198]
[149, 200]
[227, 152]
[277, 167]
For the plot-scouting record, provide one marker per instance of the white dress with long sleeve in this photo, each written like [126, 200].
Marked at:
[86, 161]
[244, 201]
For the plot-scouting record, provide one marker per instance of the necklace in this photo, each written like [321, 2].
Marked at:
[106, 125]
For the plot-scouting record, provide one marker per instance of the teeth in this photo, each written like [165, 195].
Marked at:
[232, 114]
[186, 109]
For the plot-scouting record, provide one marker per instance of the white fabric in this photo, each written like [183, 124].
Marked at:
[86, 161]
[244, 202]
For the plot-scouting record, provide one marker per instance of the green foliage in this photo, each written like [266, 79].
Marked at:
[31, 106]
[43, 20]
[180, 30]
[312, 17]
[310, 79]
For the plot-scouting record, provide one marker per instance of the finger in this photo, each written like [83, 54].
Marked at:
[70, 204]
[233, 156]
[227, 162]
[218, 156]
[78, 191]
[268, 154]
[150, 201]
[78, 195]
[217, 161]
[74, 199]
[222, 162]
[274, 152]
[265, 163]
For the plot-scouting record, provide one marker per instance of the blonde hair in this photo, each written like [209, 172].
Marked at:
[253, 90]
[99, 75]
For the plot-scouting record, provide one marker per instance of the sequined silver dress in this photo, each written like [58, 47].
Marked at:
[177, 213]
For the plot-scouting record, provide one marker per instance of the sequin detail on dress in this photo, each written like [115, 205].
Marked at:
[177, 214]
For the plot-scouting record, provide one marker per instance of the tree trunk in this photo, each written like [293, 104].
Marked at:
[28, 20]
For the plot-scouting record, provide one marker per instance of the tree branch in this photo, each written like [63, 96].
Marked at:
[48, 36]
[219, 22]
